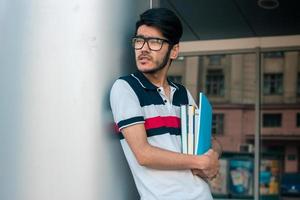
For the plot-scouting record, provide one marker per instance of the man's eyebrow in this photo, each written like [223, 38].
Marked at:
[140, 36]
[151, 37]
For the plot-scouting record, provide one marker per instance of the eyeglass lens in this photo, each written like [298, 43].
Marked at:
[154, 44]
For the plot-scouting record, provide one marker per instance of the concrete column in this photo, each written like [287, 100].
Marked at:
[291, 159]
[290, 76]
[192, 75]
[58, 60]
[249, 78]
[236, 81]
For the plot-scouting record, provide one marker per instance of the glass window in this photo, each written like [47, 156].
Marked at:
[272, 120]
[238, 74]
[274, 54]
[218, 123]
[215, 82]
[298, 84]
[180, 58]
[215, 59]
[175, 79]
[273, 84]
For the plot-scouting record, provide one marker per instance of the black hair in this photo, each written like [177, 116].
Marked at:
[163, 19]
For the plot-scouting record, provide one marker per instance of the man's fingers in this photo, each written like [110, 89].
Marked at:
[215, 176]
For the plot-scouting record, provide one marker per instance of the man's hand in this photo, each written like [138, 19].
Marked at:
[216, 146]
[210, 167]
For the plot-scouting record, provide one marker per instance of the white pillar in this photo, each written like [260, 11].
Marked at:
[58, 60]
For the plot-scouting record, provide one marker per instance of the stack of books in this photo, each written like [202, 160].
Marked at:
[196, 127]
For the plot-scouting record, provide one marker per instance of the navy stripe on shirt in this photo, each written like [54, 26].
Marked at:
[147, 92]
[130, 121]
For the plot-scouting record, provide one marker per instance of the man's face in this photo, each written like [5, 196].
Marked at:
[147, 60]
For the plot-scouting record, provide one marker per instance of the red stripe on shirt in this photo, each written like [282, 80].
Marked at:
[157, 122]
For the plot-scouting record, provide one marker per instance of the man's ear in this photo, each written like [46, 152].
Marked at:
[174, 52]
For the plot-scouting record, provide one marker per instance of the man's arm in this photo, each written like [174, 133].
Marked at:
[154, 157]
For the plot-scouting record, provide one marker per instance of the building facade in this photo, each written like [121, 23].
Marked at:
[230, 82]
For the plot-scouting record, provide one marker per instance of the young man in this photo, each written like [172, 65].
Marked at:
[146, 109]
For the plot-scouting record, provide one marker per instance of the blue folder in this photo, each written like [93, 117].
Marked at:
[203, 143]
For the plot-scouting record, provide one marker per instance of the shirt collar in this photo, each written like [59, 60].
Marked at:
[173, 84]
[145, 83]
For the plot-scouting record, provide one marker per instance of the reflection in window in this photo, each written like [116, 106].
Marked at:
[273, 83]
[272, 120]
[274, 54]
[215, 82]
[181, 58]
[298, 84]
[175, 79]
[215, 59]
[218, 123]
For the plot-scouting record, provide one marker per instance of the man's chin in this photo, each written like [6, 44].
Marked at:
[148, 71]
[152, 70]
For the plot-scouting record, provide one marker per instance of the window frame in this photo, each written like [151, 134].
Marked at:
[218, 123]
[273, 83]
[215, 82]
[271, 123]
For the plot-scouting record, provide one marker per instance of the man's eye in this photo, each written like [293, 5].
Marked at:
[139, 41]
[155, 41]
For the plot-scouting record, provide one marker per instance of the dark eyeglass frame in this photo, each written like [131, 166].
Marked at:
[146, 40]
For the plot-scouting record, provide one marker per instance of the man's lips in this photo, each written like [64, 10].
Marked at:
[143, 57]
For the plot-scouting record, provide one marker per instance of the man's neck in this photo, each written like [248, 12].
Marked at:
[158, 79]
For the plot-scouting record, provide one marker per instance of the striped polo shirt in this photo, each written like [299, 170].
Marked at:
[134, 100]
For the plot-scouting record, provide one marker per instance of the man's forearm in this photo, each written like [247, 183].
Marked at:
[207, 165]
[158, 158]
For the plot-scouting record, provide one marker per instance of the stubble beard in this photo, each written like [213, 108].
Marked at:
[159, 66]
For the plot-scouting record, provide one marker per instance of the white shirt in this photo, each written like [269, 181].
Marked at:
[129, 108]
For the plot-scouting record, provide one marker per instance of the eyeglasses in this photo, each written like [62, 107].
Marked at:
[154, 44]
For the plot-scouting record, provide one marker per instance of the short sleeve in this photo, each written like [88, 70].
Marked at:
[125, 105]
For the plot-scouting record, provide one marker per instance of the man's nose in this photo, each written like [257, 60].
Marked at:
[145, 47]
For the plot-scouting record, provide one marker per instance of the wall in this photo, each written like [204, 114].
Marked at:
[58, 60]
[291, 165]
